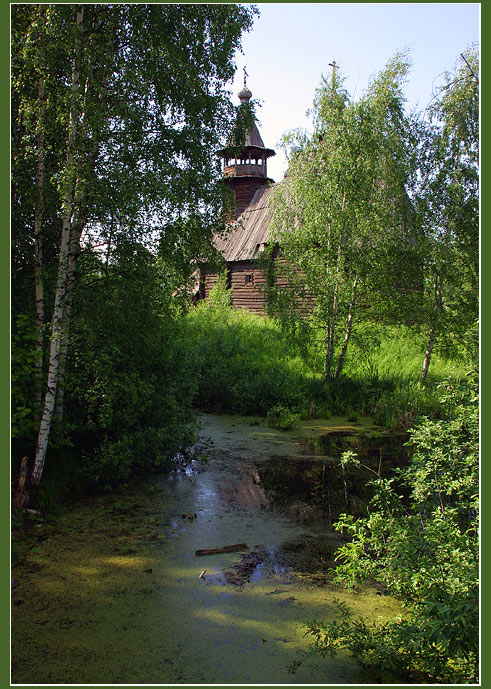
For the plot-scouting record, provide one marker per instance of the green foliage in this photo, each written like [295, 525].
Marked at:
[117, 112]
[282, 417]
[391, 650]
[420, 541]
[155, 109]
[130, 380]
[244, 363]
[63, 480]
[447, 202]
[248, 364]
[220, 296]
[23, 363]
[378, 218]
[342, 215]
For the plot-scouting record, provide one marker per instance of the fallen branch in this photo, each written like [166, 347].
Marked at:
[226, 549]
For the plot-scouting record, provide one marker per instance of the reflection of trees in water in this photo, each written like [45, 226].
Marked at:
[320, 490]
[246, 492]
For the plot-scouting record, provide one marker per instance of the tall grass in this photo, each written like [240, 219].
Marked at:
[246, 364]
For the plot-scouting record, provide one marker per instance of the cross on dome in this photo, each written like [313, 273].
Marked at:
[244, 94]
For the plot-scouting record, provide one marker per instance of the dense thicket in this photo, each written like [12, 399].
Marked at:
[116, 113]
[420, 538]
[424, 550]
[248, 364]
[446, 197]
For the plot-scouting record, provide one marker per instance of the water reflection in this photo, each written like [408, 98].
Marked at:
[319, 490]
[254, 484]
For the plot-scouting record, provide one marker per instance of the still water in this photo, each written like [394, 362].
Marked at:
[113, 592]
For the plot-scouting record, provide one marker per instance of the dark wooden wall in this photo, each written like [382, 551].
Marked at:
[209, 280]
[244, 189]
[246, 280]
[248, 283]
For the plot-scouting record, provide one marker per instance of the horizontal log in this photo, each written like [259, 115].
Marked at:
[226, 549]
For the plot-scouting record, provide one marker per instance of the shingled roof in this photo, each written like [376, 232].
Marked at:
[254, 138]
[250, 232]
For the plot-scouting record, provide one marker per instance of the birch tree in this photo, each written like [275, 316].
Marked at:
[448, 196]
[138, 91]
[341, 208]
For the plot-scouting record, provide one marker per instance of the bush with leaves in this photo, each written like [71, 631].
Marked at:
[23, 366]
[246, 365]
[131, 383]
[420, 541]
[282, 418]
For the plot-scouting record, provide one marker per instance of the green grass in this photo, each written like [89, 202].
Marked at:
[246, 364]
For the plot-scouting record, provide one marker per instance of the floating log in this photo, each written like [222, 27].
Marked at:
[226, 549]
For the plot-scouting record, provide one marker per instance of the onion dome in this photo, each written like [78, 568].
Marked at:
[244, 95]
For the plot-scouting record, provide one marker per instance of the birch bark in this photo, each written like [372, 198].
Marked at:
[77, 225]
[73, 252]
[432, 331]
[349, 327]
[62, 278]
[38, 217]
[331, 327]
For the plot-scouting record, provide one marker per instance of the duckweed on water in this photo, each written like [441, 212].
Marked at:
[110, 591]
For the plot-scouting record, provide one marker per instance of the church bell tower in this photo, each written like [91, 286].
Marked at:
[246, 172]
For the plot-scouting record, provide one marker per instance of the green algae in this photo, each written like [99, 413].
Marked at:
[110, 591]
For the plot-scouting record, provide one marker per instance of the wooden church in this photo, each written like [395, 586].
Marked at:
[247, 176]
[248, 233]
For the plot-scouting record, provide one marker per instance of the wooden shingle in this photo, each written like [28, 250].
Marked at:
[250, 232]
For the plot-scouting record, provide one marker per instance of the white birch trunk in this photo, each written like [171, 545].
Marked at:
[73, 251]
[328, 358]
[76, 229]
[331, 327]
[38, 221]
[61, 283]
[432, 333]
[349, 327]
[429, 350]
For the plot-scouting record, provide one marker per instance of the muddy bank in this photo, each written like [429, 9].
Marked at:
[111, 592]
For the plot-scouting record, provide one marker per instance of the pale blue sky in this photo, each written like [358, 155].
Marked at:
[292, 44]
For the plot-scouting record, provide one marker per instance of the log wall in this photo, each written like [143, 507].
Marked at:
[244, 189]
[210, 280]
[246, 281]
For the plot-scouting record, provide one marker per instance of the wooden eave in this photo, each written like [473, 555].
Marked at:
[253, 144]
[247, 151]
[237, 179]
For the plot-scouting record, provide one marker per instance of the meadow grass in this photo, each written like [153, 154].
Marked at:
[246, 364]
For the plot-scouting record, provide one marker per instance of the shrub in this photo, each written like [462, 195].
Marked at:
[282, 418]
[246, 363]
[131, 381]
[423, 550]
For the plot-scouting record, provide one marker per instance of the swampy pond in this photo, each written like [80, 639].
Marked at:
[111, 592]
